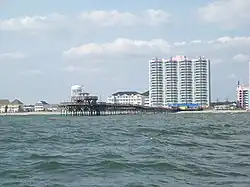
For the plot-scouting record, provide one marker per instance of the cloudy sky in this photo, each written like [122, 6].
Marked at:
[47, 46]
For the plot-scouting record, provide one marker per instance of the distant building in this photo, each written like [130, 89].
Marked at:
[127, 97]
[53, 108]
[242, 96]
[249, 86]
[15, 106]
[41, 106]
[225, 107]
[78, 94]
[4, 105]
[145, 96]
[179, 80]
[29, 108]
[156, 82]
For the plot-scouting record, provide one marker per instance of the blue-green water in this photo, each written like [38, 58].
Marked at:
[143, 150]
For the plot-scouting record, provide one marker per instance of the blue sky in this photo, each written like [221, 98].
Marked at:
[47, 46]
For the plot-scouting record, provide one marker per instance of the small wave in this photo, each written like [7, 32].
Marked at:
[48, 166]
[14, 174]
[141, 184]
[152, 130]
[123, 165]
[112, 156]
[45, 157]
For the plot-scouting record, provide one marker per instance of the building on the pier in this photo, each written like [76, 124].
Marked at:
[128, 97]
[179, 80]
[76, 92]
[242, 95]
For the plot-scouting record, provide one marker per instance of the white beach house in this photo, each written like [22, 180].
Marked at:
[15, 106]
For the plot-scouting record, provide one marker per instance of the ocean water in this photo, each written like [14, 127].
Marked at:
[127, 151]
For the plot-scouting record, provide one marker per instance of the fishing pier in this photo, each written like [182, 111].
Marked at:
[88, 106]
[103, 109]
[83, 104]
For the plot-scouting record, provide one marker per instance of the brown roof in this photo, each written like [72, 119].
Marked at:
[4, 102]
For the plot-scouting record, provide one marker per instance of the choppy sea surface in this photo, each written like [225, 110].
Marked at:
[127, 151]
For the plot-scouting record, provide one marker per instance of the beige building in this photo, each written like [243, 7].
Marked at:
[4, 105]
[15, 106]
[129, 98]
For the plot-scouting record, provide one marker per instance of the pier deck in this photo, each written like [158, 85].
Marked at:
[83, 108]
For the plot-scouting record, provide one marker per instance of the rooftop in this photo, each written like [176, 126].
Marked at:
[145, 93]
[16, 102]
[4, 102]
[126, 93]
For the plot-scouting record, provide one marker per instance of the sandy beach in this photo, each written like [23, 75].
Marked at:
[30, 113]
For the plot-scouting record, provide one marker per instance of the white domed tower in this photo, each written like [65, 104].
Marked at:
[76, 90]
[78, 93]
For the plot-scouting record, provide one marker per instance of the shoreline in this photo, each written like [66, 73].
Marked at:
[180, 112]
[212, 111]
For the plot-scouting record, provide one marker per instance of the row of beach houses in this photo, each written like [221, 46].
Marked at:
[7, 106]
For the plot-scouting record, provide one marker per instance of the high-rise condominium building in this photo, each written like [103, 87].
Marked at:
[179, 80]
[202, 81]
[156, 82]
[249, 86]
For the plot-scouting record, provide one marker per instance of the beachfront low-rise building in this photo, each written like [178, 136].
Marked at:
[29, 108]
[127, 97]
[145, 96]
[53, 108]
[232, 106]
[15, 106]
[41, 106]
[4, 105]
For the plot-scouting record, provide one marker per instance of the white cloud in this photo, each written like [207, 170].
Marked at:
[120, 46]
[97, 17]
[241, 58]
[180, 43]
[223, 46]
[109, 18]
[228, 13]
[156, 17]
[114, 17]
[12, 56]
[51, 21]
